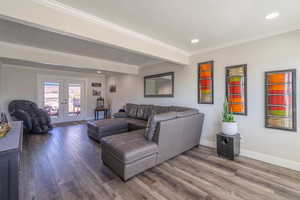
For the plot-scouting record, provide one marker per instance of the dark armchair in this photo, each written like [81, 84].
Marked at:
[35, 120]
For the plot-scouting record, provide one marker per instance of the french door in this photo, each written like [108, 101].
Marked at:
[62, 98]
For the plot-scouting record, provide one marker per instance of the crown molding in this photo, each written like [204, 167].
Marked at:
[241, 42]
[99, 21]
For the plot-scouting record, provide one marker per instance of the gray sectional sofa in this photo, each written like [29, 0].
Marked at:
[146, 135]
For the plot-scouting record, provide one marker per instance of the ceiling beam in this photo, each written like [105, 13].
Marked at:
[43, 56]
[57, 17]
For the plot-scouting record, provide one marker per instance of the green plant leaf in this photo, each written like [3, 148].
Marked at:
[227, 115]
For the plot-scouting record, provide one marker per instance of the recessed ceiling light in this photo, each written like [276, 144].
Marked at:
[272, 15]
[99, 72]
[194, 41]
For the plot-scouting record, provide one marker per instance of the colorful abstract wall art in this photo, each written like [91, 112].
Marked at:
[280, 99]
[236, 89]
[206, 83]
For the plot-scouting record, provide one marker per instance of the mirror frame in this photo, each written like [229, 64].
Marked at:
[156, 76]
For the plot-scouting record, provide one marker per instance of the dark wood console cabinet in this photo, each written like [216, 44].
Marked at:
[10, 152]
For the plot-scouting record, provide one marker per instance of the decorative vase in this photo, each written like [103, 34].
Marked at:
[229, 128]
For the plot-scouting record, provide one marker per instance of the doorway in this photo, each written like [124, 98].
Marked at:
[63, 98]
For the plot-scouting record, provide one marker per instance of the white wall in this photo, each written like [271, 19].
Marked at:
[280, 52]
[128, 90]
[19, 82]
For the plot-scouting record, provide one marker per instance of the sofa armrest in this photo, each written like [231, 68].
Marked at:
[187, 113]
[25, 117]
[178, 135]
[120, 115]
[153, 124]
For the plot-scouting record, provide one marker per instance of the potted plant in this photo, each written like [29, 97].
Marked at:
[229, 126]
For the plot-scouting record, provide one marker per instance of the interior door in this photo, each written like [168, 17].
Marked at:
[50, 98]
[74, 100]
[62, 98]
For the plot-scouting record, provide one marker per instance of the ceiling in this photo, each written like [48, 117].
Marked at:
[215, 23]
[13, 32]
[26, 63]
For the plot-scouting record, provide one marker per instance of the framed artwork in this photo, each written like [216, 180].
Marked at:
[280, 100]
[159, 85]
[96, 92]
[236, 89]
[95, 84]
[112, 88]
[205, 82]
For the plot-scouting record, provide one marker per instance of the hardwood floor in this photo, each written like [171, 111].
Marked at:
[66, 165]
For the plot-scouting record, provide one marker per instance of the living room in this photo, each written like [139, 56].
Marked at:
[156, 100]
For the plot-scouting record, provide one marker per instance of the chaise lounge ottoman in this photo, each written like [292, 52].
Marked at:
[129, 153]
[103, 128]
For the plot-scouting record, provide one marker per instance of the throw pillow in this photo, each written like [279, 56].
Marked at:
[120, 115]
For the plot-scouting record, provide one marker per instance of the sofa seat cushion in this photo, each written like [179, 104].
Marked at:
[135, 124]
[108, 124]
[102, 128]
[129, 147]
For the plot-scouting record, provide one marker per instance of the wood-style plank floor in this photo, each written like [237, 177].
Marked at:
[66, 165]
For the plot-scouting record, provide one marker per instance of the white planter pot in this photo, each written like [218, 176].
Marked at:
[229, 128]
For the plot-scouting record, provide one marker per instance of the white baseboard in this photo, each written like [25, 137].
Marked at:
[90, 119]
[208, 143]
[262, 157]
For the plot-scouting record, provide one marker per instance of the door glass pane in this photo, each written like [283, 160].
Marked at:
[51, 98]
[74, 99]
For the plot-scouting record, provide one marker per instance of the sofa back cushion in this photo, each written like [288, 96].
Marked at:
[159, 109]
[187, 113]
[120, 115]
[131, 110]
[144, 111]
[178, 108]
[153, 121]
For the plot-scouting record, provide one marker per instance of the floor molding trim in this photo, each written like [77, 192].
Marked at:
[262, 157]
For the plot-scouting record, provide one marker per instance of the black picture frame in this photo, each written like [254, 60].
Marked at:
[96, 84]
[96, 92]
[212, 82]
[227, 71]
[294, 99]
[157, 76]
[112, 88]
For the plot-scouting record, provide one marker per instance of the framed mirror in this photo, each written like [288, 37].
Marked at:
[159, 85]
